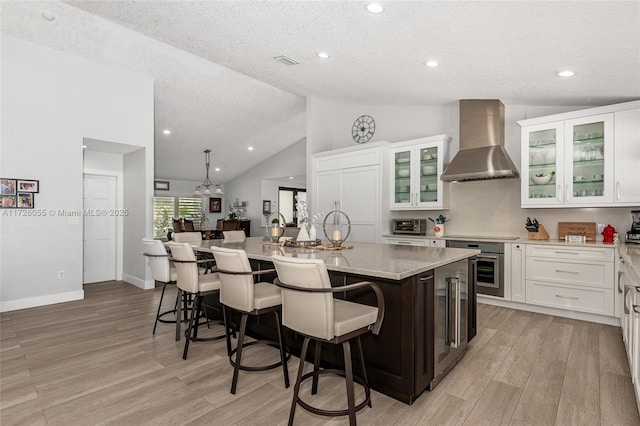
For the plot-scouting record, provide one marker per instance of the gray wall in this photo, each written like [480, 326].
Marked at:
[289, 162]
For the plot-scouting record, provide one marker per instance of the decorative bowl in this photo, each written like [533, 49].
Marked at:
[429, 170]
[542, 179]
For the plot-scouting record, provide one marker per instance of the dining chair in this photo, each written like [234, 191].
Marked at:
[178, 225]
[197, 285]
[309, 309]
[188, 225]
[237, 236]
[230, 224]
[239, 292]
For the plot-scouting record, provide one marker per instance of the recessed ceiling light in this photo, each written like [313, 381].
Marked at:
[166, 131]
[375, 8]
[566, 73]
[290, 177]
[217, 169]
[250, 148]
[48, 16]
[432, 64]
[323, 55]
[84, 146]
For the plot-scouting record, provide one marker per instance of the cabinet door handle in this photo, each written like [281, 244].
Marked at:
[565, 252]
[636, 309]
[618, 190]
[566, 192]
[411, 202]
[404, 242]
[620, 274]
[567, 272]
[567, 297]
[426, 278]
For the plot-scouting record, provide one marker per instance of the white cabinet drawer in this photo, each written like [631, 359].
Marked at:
[592, 300]
[406, 242]
[604, 254]
[582, 274]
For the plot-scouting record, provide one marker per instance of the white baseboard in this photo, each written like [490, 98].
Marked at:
[145, 285]
[582, 316]
[32, 302]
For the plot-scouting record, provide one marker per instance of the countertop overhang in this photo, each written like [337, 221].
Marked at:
[386, 261]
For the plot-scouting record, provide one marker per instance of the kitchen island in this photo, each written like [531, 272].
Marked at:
[401, 360]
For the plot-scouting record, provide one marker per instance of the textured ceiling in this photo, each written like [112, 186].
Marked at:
[504, 50]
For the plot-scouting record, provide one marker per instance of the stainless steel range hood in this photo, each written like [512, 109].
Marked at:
[482, 154]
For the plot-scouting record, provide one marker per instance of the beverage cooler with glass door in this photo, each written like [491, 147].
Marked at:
[451, 309]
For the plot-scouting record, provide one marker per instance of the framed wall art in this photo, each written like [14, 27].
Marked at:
[28, 185]
[161, 185]
[25, 200]
[8, 186]
[8, 201]
[266, 206]
[215, 205]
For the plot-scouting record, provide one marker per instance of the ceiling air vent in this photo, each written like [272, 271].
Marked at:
[283, 59]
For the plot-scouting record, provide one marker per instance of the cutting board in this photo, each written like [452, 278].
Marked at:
[588, 229]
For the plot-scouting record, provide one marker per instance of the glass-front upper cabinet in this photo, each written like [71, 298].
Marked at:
[568, 162]
[589, 159]
[416, 169]
[542, 164]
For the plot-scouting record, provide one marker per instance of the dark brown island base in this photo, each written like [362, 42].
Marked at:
[430, 309]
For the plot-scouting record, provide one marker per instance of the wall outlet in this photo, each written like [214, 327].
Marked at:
[600, 228]
[61, 275]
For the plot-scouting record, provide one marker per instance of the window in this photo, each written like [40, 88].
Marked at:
[167, 208]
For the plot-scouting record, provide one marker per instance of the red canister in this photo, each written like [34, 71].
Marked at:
[608, 233]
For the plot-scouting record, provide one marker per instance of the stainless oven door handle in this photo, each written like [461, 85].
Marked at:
[484, 256]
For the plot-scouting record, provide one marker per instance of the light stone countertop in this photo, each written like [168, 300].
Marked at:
[375, 260]
[501, 239]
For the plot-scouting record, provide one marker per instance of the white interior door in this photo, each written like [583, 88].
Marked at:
[99, 228]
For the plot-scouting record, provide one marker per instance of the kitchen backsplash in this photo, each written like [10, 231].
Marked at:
[493, 208]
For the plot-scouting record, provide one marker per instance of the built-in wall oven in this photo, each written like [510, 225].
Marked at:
[488, 266]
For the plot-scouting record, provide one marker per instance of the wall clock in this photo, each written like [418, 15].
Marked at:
[363, 129]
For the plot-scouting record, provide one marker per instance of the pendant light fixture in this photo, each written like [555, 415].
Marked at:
[203, 189]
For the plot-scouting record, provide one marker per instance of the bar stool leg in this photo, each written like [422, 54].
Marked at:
[189, 331]
[227, 330]
[164, 287]
[316, 367]
[348, 370]
[296, 388]
[236, 370]
[285, 370]
[364, 368]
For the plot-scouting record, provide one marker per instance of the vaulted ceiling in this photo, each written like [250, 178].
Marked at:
[218, 86]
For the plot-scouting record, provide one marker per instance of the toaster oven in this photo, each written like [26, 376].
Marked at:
[409, 226]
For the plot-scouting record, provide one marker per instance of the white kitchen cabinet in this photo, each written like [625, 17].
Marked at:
[568, 159]
[517, 272]
[627, 157]
[416, 167]
[572, 278]
[354, 178]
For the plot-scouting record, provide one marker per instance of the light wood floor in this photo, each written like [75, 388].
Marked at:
[95, 362]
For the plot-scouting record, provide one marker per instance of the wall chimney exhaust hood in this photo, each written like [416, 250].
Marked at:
[482, 154]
